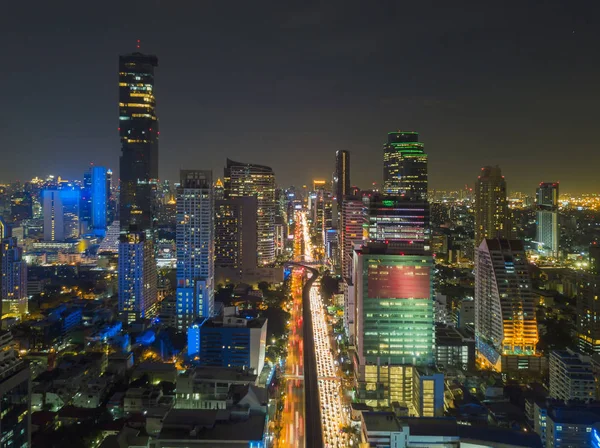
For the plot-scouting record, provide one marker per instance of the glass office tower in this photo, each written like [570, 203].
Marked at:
[138, 130]
[405, 166]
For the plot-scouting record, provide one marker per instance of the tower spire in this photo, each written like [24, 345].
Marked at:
[138, 44]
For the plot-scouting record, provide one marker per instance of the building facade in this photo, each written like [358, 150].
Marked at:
[229, 341]
[99, 197]
[235, 233]
[15, 396]
[245, 179]
[394, 306]
[505, 320]
[571, 376]
[547, 231]
[588, 312]
[491, 206]
[351, 234]
[60, 208]
[14, 279]
[400, 222]
[195, 247]
[137, 277]
[405, 166]
[138, 131]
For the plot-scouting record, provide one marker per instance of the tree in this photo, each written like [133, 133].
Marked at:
[264, 287]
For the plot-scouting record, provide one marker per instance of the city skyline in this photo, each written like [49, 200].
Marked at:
[483, 111]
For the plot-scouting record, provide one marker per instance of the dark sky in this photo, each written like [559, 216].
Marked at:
[287, 83]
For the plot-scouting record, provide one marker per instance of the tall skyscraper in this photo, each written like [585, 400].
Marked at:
[14, 279]
[245, 179]
[99, 198]
[405, 166]
[547, 232]
[137, 276]
[235, 233]
[138, 130]
[195, 247]
[341, 177]
[61, 214]
[394, 323]
[15, 396]
[491, 207]
[505, 321]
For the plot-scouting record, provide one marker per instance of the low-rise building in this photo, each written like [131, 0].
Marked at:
[385, 429]
[562, 425]
[156, 372]
[211, 428]
[208, 387]
[229, 341]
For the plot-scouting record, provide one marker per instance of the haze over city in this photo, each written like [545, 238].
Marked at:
[512, 84]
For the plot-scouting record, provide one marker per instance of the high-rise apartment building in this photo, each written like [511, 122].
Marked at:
[245, 179]
[137, 276]
[491, 207]
[400, 222]
[138, 130]
[547, 233]
[351, 234]
[61, 213]
[14, 279]
[341, 177]
[505, 320]
[235, 233]
[405, 166]
[195, 247]
[571, 376]
[15, 396]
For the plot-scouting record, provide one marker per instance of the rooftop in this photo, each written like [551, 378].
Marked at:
[221, 374]
[204, 424]
[447, 427]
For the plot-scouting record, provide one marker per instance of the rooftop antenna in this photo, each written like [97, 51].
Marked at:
[138, 44]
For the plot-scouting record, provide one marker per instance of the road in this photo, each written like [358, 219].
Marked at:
[292, 418]
[313, 424]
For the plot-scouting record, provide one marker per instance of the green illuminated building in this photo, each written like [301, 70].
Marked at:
[394, 322]
[405, 166]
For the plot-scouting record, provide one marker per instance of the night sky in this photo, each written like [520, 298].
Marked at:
[288, 83]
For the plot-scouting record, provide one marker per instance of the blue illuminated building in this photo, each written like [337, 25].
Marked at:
[60, 208]
[595, 442]
[229, 341]
[195, 247]
[99, 199]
